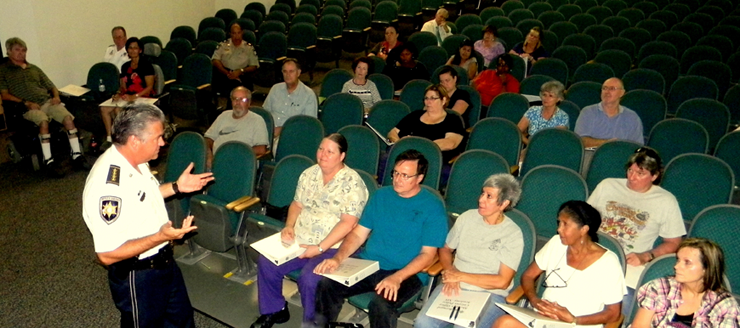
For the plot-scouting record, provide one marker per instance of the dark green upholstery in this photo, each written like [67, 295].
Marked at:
[363, 148]
[340, 110]
[694, 138]
[698, 181]
[497, 135]
[553, 146]
[544, 189]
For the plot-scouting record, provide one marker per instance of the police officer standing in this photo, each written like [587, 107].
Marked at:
[123, 206]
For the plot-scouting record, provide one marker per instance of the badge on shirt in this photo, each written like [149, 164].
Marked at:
[110, 208]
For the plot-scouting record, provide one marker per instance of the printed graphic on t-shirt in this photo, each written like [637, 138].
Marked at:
[624, 223]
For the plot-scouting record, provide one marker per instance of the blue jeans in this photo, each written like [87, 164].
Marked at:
[488, 315]
[627, 302]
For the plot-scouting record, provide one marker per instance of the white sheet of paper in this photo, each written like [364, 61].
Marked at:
[123, 103]
[469, 305]
[74, 90]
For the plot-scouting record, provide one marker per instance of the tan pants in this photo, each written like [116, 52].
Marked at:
[47, 112]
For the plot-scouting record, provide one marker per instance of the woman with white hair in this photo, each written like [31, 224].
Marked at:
[488, 248]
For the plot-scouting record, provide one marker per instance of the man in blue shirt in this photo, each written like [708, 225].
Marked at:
[403, 226]
[608, 120]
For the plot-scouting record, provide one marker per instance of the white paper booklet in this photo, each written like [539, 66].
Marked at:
[382, 138]
[123, 103]
[461, 310]
[74, 90]
[275, 250]
[353, 270]
[531, 318]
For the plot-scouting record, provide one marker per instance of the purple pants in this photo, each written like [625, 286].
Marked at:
[270, 283]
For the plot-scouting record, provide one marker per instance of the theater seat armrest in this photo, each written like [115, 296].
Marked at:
[246, 204]
[515, 295]
[201, 87]
[514, 169]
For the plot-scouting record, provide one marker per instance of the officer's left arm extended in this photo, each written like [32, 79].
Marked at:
[186, 183]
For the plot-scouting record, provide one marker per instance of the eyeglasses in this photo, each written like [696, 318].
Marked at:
[554, 280]
[403, 176]
[243, 99]
[431, 98]
[605, 88]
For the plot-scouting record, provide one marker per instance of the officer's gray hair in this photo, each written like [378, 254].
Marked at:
[12, 42]
[134, 121]
[508, 188]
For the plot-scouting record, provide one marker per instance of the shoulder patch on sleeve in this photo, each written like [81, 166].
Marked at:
[110, 208]
[114, 175]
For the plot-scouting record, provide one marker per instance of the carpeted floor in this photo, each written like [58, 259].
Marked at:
[48, 274]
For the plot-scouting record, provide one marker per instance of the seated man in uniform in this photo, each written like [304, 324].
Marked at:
[636, 211]
[123, 207]
[608, 120]
[234, 60]
[116, 53]
[238, 124]
[23, 82]
[290, 98]
[403, 226]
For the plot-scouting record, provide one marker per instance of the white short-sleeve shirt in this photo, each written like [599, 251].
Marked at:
[120, 203]
[582, 292]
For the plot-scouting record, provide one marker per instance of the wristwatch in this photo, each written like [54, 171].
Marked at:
[175, 188]
[321, 250]
[652, 256]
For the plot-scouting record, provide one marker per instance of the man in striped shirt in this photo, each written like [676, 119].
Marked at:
[25, 83]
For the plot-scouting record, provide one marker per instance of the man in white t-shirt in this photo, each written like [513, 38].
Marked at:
[636, 211]
[238, 124]
[116, 53]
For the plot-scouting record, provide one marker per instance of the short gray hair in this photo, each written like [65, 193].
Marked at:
[134, 121]
[12, 42]
[242, 88]
[554, 87]
[443, 12]
[508, 188]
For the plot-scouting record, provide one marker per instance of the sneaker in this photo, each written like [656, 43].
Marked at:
[80, 163]
[53, 169]
[267, 320]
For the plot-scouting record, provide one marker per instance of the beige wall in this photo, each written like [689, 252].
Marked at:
[65, 38]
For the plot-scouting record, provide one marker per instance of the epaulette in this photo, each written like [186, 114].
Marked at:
[114, 175]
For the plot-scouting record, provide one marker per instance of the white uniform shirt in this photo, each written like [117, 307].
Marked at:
[120, 204]
[116, 57]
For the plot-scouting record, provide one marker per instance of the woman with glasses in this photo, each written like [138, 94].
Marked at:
[328, 202]
[546, 116]
[694, 297]
[583, 281]
[488, 247]
[636, 211]
[433, 123]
